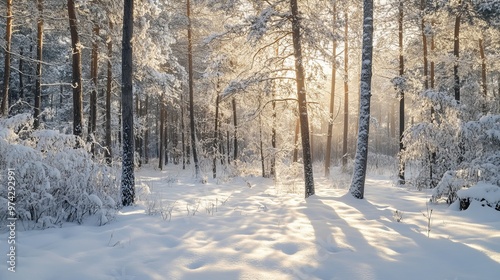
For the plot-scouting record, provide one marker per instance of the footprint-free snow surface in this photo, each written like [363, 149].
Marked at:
[255, 228]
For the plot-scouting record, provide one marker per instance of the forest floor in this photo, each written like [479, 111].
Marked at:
[248, 227]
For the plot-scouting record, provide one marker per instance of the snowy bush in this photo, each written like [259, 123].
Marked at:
[487, 194]
[480, 165]
[449, 185]
[55, 182]
[456, 147]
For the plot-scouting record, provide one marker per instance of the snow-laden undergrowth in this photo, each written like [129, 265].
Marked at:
[54, 182]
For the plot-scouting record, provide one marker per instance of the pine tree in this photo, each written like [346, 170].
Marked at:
[357, 187]
[301, 93]
[77, 70]
[4, 108]
[128, 178]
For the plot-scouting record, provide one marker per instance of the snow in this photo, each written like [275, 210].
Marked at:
[266, 231]
[481, 190]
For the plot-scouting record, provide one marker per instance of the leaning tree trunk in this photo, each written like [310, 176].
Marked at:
[328, 156]
[128, 178]
[301, 93]
[77, 71]
[357, 188]
[38, 82]
[21, 84]
[4, 110]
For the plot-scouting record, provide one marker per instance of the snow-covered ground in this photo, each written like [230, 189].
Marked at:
[254, 228]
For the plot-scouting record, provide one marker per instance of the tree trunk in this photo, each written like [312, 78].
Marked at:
[183, 133]
[166, 134]
[484, 88]
[272, 172]
[191, 101]
[401, 96]
[346, 93]
[162, 133]
[235, 118]
[216, 135]
[93, 93]
[4, 110]
[228, 141]
[109, 78]
[301, 93]
[456, 53]
[432, 155]
[357, 187]
[128, 178]
[77, 71]
[296, 141]
[424, 45]
[261, 146]
[146, 131]
[138, 136]
[21, 84]
[39, 53]
[328, 156]
[432, 74]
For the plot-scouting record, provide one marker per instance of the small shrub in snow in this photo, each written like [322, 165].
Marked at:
[398, 216]
[55, 182]
[428, 216]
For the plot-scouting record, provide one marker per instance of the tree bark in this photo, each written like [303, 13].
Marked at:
[272, 172]
[183, 133]
[484, 88]
[128, 178]
[138, 135]
[235, 122]
[358, 179]
[39, 58]
[296, 141]
[191, 101]
[301, 93]
[93, 93]
[146, 131]
[108, 152]
[424, 45]
[328, 156]
[401, 96]
[346, 93]
[456, 53]
[4, 110]
[77, 71]
[162, 133]
[432, 71]
[261, 148]
[21, 84]
[216, 135]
